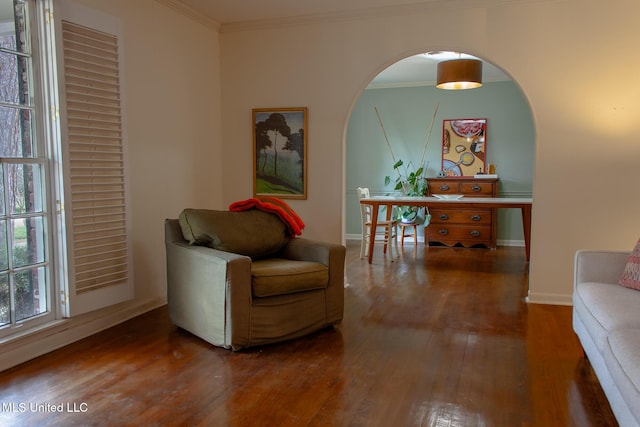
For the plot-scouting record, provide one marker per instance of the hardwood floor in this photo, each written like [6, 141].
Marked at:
[445, 339]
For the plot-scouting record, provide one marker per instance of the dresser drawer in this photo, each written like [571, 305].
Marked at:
[461, 216]
[467, 235]
[443, 187]
[477, 189]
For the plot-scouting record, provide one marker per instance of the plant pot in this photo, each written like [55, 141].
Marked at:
[409, 214]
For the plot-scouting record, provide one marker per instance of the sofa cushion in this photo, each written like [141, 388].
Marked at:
[622, 356]
[277, 276]
[631, 274]
[605, 307]
[252, 233]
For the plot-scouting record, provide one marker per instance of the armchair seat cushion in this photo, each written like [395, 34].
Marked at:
[278, 276]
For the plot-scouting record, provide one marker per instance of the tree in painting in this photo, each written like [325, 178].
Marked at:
[279, 158]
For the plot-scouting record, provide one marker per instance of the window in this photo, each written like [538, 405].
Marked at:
[25, 285]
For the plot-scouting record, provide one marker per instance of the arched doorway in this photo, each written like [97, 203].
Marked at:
[401, 108]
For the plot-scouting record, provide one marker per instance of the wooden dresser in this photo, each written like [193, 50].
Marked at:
[467, 226]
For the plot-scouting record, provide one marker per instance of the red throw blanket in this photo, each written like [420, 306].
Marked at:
[275, 206]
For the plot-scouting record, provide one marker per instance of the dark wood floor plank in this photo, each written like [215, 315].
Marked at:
[444, 338]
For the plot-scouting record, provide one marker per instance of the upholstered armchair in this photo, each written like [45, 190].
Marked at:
[239, 279]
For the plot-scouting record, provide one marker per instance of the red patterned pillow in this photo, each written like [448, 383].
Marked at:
[631, 274]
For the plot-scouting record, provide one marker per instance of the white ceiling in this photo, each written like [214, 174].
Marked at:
[412, 71]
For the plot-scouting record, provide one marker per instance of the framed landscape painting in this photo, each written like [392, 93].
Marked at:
[464, 145]
[280, 152]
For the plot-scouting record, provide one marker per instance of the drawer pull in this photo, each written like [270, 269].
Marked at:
[476, 188]
[444, 187]
[476, 217]
[444, 217]
[443, 231]
[475, 233]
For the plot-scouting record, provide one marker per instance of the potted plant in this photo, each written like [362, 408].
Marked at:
[410, 183]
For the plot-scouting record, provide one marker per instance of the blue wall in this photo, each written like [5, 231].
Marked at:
[407, 113]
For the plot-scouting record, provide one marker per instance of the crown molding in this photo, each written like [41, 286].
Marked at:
[383, 12]
[400, 85]
[190, 13]
[423, 83]
[346, 15]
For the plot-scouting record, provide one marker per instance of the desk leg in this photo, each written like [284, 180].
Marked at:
[372, 231]
[526, 226]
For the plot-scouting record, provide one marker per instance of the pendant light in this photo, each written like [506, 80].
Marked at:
[459, 74]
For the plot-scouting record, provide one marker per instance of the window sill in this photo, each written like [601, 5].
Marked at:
[27, 332]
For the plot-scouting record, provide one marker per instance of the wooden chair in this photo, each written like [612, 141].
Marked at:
[405, 230]
[386, 232]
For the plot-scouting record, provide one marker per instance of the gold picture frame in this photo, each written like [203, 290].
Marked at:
[280, 152]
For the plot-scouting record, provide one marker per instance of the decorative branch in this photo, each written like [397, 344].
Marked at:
[433, 119]
[384, 132]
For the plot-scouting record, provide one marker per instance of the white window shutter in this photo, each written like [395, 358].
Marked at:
[96, 210]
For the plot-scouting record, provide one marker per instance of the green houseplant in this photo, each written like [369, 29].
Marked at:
[409, 182]
[412, 184]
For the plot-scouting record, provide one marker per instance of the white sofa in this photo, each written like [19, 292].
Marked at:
[606, 318]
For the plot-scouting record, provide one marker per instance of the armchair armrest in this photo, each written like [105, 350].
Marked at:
[208, 290]
[330, 254]
[333, 256]
[599, 266]
[302, 249]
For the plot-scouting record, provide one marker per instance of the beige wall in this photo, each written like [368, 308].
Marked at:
[570, 58]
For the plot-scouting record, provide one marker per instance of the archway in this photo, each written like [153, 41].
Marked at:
[412, 110]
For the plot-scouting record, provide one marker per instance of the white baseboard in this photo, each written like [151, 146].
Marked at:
[551, 299]
[513, 243]
[66, 331]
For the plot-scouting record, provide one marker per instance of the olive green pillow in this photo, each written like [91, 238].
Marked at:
[253, 233]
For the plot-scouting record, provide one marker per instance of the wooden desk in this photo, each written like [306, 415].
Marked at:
[524, 204]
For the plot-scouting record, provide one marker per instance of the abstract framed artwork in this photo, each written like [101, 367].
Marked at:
[464, 145]
[280, 152]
